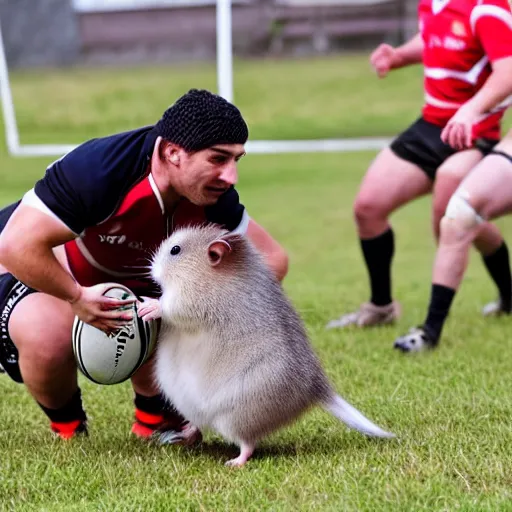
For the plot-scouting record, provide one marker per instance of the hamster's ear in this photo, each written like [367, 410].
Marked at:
[231, 239]
[217, 250]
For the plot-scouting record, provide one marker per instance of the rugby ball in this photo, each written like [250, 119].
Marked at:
[114, 358]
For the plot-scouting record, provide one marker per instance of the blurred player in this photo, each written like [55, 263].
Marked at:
[465, 47]
[485, 194]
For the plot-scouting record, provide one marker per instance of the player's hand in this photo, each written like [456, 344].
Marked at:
[149, 309]
[382, 59]
[458, 132]
[104, 313]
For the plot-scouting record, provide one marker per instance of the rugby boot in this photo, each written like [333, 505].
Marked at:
[368, 315]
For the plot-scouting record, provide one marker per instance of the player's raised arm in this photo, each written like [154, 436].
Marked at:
[386, 58]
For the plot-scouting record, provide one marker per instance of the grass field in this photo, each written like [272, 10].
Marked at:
[450, 409]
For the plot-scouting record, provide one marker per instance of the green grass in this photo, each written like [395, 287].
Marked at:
[298, 99]
[451, 409]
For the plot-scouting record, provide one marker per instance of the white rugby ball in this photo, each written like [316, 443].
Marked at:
[111, 359]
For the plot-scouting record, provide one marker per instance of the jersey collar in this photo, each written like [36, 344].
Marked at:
[439, 5]
[149, 144]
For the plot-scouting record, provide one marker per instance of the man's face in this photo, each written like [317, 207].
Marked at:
[202, 177]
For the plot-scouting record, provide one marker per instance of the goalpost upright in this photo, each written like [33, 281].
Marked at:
[11, 128]
[224, 31]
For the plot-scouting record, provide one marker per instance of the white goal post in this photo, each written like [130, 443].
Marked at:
[225, 89]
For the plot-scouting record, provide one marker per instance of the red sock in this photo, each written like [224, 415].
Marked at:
[69, 429]
[154, 413]
[68, 420]
[146, 423]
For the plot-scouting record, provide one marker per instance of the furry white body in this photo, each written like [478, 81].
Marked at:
[233, 354]
[184, 374]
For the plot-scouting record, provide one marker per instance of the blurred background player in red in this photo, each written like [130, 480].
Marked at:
[483, 195]
[486, 193]
[464, 46]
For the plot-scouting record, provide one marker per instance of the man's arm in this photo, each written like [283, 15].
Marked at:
[386, 57]
[409, 53]
[497, 88]
[274, 254]
[26, 251]
[491, 21]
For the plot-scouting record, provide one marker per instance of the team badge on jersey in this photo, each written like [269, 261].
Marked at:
[458, 28]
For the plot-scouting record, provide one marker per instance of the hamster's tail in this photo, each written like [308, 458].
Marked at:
[352, 417]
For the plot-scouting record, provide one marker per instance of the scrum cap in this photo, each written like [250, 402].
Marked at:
[201, 119]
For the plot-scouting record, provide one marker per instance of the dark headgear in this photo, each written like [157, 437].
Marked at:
[201, 119]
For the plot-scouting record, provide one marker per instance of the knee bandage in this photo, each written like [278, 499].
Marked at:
[459, 209]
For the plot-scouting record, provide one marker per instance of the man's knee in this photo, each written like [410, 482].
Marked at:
[461, 221]
[41, 329]
[368, 208]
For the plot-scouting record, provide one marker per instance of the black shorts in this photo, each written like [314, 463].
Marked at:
[501, 153]
[11, 292]
[421, 145]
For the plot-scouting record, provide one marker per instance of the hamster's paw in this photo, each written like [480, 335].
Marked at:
[187, 437]
[246, 450]
[149, 309]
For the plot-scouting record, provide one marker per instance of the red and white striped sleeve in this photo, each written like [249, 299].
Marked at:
[491, 21]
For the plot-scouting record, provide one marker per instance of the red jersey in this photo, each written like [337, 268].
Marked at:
[461, 39]
[120, 248]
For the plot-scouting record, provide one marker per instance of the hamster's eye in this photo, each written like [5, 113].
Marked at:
[175, 250]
